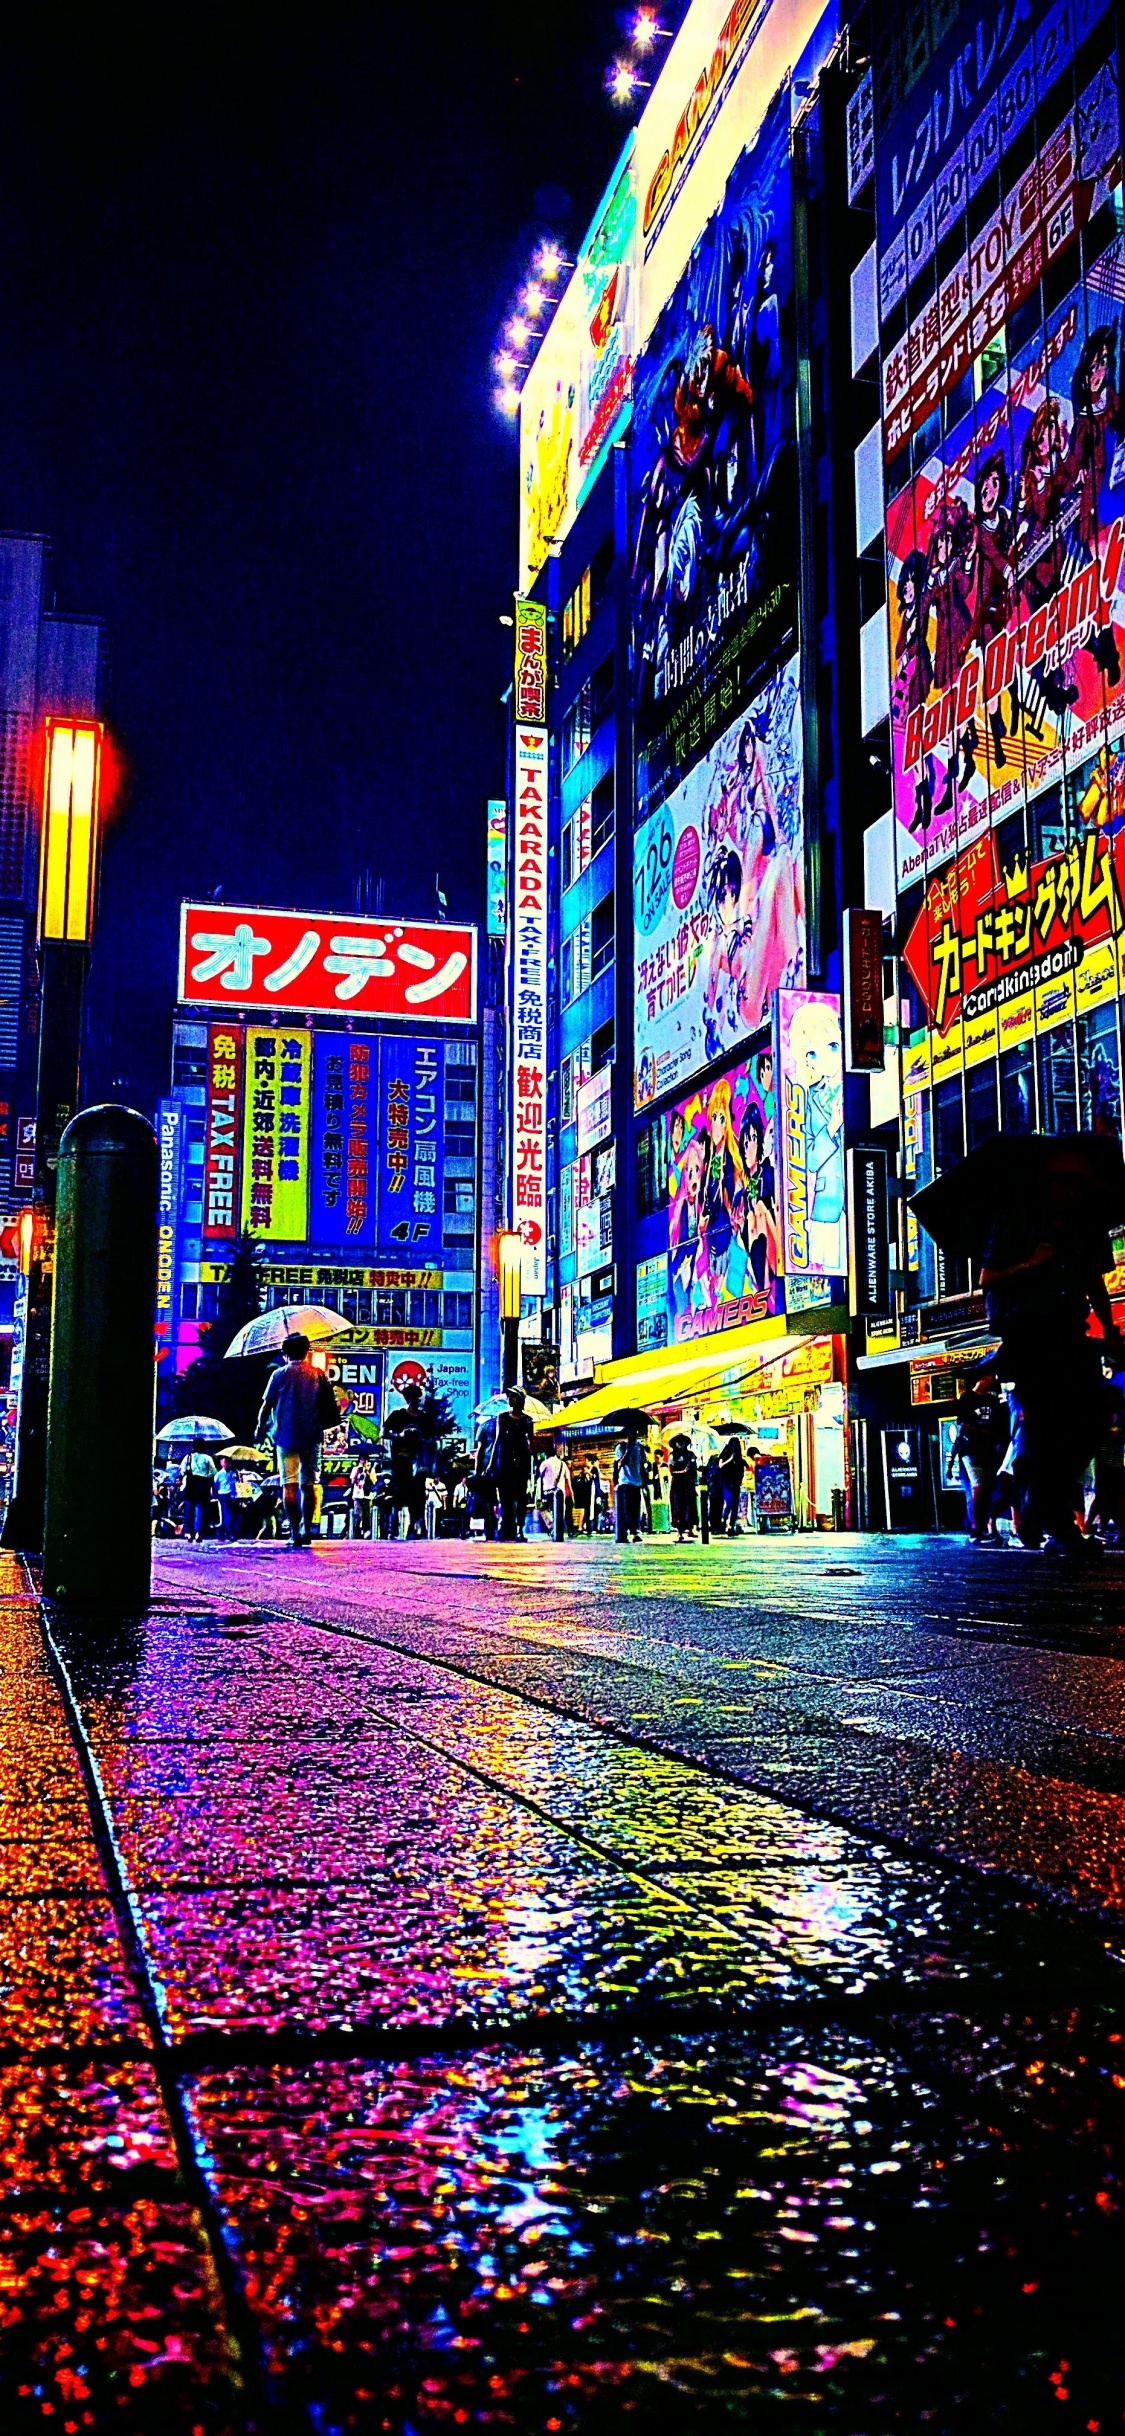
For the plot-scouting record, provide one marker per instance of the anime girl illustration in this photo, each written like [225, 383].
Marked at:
[996, 578]
[756, 1212]
[1040, 531]
[814, 1046]
[914, 672]
[1097, 417]
[754, 891]
[724, 1175]
[947, 593]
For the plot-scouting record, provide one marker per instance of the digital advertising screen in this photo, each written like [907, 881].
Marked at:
[718, 896]
[714, 596]
[722, 1203]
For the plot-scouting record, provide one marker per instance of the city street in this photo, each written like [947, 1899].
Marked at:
[567, 1988]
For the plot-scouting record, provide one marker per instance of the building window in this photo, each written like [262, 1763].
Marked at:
[601, 690]
[423, 1307]
[601, 936]
[1099, 1071]
[980, 1103]
[460, 1141]
[188, 1066]
[601, 575]
[576, 846]
[457, 1310]
[601, 1048]
[576, 963]
[651, 1169]
[1017, 1090]
[1058, 1096]
[458, 1197]
[601, 813]
[949, 1124]
[577, 728]
[189, 1301]
[577, 612]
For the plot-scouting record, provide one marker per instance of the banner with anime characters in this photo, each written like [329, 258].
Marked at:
[718, 896]
[714, 460]
[1006, 573]
[722, 1204]
[999, 936]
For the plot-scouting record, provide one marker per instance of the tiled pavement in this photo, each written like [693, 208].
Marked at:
[425, 2023]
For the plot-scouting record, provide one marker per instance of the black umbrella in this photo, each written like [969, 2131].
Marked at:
[627, 1417]
[1008, 1171]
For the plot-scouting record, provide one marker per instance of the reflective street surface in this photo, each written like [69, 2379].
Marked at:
[567, 1989]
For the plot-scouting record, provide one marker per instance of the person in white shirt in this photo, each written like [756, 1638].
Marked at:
[555, 1475]
[197, 1472]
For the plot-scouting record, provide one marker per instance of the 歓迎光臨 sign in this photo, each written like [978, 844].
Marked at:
[529, 1007]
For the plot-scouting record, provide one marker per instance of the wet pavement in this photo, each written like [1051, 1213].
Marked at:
[566, 1989]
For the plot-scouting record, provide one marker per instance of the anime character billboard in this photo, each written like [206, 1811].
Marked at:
[1005, 570]
[718, 896]
[714, 454]
[722, 1203]
[809, 1062]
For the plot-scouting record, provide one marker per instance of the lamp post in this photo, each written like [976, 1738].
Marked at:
[509, 1266]
[67, 883]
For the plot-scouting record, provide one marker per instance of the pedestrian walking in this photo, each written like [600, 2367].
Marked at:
[629, 1471]
[197, 1478]
[684, 1475]
[226, 1490]
[582, 1481]
[513, 1441]
[555, 1476]
[979, 1444]
[297, 1407]
[411, 1457]
[1044, 1271]
[731, 1470]
[359, 1501]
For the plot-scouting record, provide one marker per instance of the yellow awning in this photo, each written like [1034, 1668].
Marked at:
[678, 1374]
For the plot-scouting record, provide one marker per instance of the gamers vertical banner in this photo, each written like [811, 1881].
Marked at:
[1003, 427]
[714, 454]
[410, 1148]
[225, 1045]
[809, 1081]
[342, 1177]
[528, 1089]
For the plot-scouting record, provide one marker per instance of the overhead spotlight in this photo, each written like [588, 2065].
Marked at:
[507, 364]
[646, 28]
[549, 260]
[533, 300]
[623, 82]
[508, 398]
[518, 333]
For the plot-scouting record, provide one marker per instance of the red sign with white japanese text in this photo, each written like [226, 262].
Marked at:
[986, 934]
[529, 1007]
[225, 1050]
[242, 956]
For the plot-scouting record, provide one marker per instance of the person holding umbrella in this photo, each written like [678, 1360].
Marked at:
[684, 1478]
[1034, 1211]
[297, 1407]
[629, 1472]
[197, 1474]
[731, 1471]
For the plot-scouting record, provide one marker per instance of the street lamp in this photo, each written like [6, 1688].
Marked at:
[67, 876]
[509, 1266]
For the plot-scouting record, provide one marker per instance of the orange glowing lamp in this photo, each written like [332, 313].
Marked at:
[68, 857]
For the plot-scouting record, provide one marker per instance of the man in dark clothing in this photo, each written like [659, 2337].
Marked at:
[411, 1457]
[513, 1465]
[297, 1407]
[1044, 1271]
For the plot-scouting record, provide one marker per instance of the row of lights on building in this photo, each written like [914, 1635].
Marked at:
[532, 315]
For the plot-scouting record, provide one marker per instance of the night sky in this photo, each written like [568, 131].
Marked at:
[250, 286]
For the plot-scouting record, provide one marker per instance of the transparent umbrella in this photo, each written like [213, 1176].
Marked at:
[268, 1332]
[536, 1412]
[192, 1426]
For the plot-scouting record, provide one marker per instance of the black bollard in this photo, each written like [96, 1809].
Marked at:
[704, 1512]
[97, 1536]
[558, 1515]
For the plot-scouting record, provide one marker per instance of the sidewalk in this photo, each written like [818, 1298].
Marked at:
[520, 2077]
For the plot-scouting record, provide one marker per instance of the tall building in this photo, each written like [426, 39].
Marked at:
[327, 1105]
[821, 465]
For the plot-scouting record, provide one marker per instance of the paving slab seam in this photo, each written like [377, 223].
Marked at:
[879, 1836]
[241, 2329]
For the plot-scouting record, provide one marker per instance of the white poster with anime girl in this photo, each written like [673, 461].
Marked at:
[718, 896]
